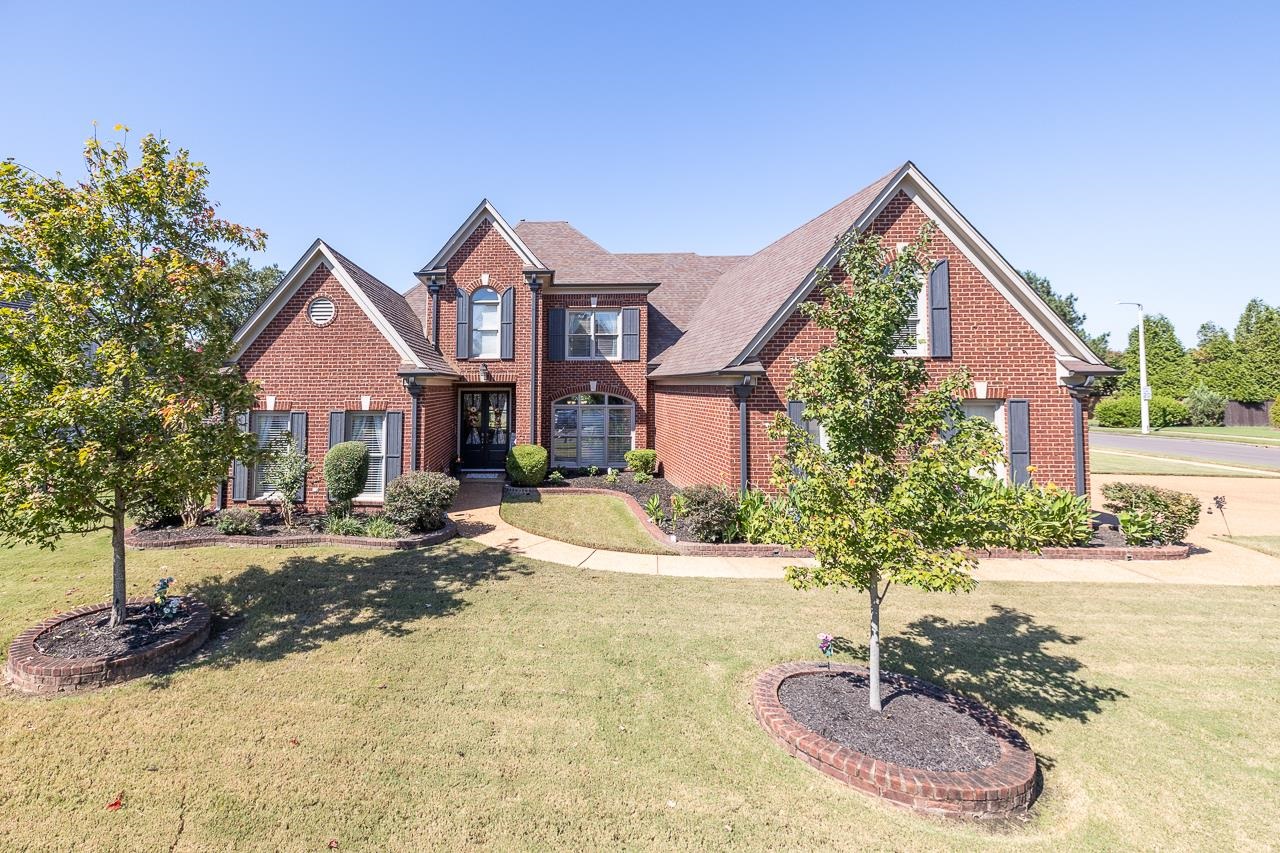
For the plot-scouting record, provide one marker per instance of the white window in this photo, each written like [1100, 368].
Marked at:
[485, 323]
[910, 339]
[268, 427]
[991, 411]
[370, 428]
[593, 334]
[592, 429]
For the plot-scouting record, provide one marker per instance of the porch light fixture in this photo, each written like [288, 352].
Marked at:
[484, 373]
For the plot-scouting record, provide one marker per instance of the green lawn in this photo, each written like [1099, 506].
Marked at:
[593, 521]
[1265, 544]
[1108, 462]
[460, 698]
[1242, 434]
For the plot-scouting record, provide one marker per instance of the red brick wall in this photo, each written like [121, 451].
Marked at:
[988, 336]
[696, 434]
[624, 378]
[438, 427]
[322, 369]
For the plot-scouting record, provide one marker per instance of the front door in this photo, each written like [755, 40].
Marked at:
[486, 428]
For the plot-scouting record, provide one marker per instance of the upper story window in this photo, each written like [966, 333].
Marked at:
[910, 339]
[594, 334]
[486, 324]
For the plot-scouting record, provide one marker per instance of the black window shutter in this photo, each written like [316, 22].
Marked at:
[464, 325]
[555, 334]
[1019, 413]
[337, 428]
[395, 445]
[508, 349]
[298, 427]
[240, 471]
[630, 334]
[940, 310]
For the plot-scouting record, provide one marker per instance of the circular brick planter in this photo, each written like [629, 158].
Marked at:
[31, 671]
[1002, 789]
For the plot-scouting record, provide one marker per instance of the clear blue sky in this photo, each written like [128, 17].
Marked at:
[1126, 152]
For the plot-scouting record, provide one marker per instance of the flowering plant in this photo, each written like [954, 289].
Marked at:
[161, 604]
[826, 645]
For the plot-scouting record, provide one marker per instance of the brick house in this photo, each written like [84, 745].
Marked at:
[536, 334]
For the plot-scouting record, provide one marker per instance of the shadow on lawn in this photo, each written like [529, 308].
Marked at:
[1001, 661]
[311, 600]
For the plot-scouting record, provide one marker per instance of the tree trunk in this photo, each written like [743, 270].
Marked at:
[118, 592]
[874, 644]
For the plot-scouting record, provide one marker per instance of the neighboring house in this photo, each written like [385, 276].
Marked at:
[534, 333]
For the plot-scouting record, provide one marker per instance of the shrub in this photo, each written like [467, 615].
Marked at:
[556, 478]
[1056, 517]
[653, 509]
[641, 477]
[593, 471]
[1171, 513]
[755, 518]
[1274, 415]
[287, 468]
[710, 512]
[152, 511]
[527, 464]
[611, 477]
[343, 525]
[381, 527]
[238, 522]
[642, 461]
[1139, 527]
[419, 500]
[1127, 412]
[346, 466]
[1205, 407]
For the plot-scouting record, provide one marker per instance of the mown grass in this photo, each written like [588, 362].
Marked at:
[1264, 544]
[593, 521]
[1107, 462]
[1239, 434]
[460, 697]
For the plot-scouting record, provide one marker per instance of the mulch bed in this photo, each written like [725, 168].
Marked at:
[90, 636]
[915, 729]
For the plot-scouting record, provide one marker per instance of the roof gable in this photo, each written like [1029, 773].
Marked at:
[729, 331]
[385, 308]
[484, 212]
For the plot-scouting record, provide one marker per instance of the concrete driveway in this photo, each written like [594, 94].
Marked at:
[1226, 452]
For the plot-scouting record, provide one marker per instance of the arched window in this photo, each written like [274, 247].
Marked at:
[592, 429]
[485, 324]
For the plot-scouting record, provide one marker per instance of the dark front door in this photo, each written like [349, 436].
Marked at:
[486, 428]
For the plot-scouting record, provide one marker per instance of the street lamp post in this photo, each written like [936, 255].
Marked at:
[1144, 392]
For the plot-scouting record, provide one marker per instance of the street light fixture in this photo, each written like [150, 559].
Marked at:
[1144, 392]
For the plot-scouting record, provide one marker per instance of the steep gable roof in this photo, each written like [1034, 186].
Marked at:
[386, 309]
[575, 257]
[752, 299]
[484, 212]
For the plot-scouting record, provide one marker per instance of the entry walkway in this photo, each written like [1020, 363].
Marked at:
[476, 514]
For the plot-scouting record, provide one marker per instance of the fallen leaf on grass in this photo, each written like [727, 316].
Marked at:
[116, 804]
[293, 741]
[333, 844]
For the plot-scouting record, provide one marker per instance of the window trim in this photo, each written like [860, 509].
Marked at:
[348, 419]
[577, 463]
[1001, 423]
[593, 357]
[256, 493]
[472, 327]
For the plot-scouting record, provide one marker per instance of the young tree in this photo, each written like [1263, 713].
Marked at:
[287, 469]
[114, 383]
[887, 496]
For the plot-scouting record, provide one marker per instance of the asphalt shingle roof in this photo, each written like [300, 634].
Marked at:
[575, 257]
[685, 280]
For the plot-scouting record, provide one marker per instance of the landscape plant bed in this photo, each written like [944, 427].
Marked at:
[929, 750]
[278, 537]
[1107, 543]
[682, 546]
[77, 650]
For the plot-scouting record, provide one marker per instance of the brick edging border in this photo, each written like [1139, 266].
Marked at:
[1000, 790]
[293, 540]
[705, 549]
[1137, 552]
[29, 670]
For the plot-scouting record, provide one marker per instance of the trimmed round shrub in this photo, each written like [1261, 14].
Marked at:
[642, 461]
[710, 512]
[346, 466]
[1127, 412]
[1162, 515]
[1205, 407]
[419, 500]
[238, 522]
[527, 464]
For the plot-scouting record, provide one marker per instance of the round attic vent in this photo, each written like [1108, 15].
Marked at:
[321, 311]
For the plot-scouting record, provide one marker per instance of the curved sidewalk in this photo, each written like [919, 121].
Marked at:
[476, 514]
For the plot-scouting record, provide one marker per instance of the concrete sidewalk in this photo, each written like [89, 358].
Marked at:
[476, 514]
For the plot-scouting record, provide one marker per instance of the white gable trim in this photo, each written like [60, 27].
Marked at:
[484, 212]
[999, 272]
[318, 255]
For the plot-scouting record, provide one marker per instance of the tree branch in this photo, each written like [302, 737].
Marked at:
[883, 593]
